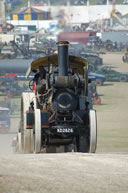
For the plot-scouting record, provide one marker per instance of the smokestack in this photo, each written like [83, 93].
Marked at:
[63, 58]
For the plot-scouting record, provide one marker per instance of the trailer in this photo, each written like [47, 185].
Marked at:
[81, 37]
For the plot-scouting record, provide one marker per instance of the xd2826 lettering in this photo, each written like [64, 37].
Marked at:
[64, 130]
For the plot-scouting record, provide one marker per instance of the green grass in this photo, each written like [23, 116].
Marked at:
[112, 118]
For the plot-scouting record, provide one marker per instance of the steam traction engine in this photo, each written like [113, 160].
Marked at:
[59, 113]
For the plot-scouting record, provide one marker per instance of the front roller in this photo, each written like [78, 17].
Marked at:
[19, 143]
[26, 134]
[93, 131]
[88, 140]
[37, 136]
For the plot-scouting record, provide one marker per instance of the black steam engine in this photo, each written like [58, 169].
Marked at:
[59, 112]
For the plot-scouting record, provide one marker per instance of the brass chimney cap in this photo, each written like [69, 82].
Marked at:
[62, 43]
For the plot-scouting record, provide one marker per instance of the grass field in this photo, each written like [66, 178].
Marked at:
[112, 118]
[112, 114]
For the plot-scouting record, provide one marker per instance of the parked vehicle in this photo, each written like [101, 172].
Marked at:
[102, 2]
[125, 58]
[99, 78]
[125, 2]
[112, 75]
[10, 87]
[4, 119]
[94, 60]
[96, 100]
[82, 37]
[8, 51]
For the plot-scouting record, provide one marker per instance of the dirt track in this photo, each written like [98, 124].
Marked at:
[60, 173]
[103, 172]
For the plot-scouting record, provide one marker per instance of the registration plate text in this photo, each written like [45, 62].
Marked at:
[65, 130]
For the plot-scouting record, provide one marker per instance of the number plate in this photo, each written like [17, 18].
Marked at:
[65, 130]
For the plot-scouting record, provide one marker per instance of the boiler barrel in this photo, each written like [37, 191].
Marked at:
[14, 66]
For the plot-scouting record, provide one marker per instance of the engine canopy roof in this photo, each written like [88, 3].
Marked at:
[76, 63]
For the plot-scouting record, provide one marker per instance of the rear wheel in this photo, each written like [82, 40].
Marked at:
[18, 147]
[96, 100]
[124, 59]
[109, 47]
[123, 78]
[92, 131]
[37, 136]
[91, 68]
[26, 134]
[99, 82]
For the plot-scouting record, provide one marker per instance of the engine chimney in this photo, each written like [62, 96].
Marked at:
[63, 57]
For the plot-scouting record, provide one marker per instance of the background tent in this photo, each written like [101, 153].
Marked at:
[30, 14]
